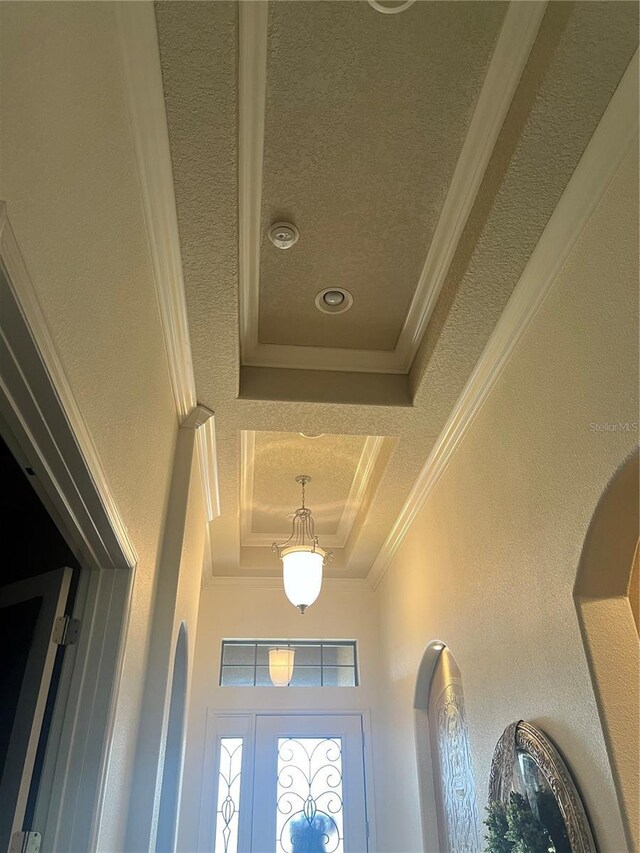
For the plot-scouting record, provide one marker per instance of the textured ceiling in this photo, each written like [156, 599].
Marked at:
[280, 457]
[364, 121]
[580, 55]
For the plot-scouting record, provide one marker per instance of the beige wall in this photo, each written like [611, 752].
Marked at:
[490, 563]
[266, 613]
[68, 176]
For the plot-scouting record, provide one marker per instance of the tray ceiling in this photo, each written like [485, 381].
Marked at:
[337, 493]
[363, 125]
[441, 190]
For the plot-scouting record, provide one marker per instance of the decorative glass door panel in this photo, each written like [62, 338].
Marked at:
[228, 811]
[309, 795]
[309, 790]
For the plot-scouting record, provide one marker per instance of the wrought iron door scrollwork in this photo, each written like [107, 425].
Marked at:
[309, 794]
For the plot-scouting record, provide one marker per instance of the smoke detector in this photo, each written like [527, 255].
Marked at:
[283, 235]
[334, 300]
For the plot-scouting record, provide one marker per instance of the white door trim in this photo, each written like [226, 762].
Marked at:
[46, 432]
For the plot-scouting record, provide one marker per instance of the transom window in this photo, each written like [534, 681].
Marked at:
[317, 663]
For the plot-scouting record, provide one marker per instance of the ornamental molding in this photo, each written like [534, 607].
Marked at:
[526, 738]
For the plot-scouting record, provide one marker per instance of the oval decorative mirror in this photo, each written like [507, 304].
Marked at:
[532, 797]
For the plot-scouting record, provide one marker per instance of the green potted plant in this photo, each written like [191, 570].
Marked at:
[515, 828]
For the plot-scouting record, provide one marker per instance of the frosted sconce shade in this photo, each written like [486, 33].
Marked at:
[281, 666]
[302, 576]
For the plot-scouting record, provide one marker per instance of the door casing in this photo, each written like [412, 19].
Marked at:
[69, 480]
[243, 722]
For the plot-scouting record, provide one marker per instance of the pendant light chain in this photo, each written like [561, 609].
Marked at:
[302, 558]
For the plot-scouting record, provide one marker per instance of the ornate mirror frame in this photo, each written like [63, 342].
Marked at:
[527, 738]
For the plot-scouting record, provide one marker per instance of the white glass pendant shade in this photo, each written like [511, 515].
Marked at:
[281, 666]
[302, 575]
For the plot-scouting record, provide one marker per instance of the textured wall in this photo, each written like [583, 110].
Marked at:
[68, 176]
[605, 597]
[490, 563]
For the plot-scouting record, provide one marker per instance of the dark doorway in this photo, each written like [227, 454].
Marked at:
[34, 556]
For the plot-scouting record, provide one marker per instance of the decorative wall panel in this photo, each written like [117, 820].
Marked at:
[453, 773]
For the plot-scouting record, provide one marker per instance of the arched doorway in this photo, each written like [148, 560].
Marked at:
[604, 593]
[172, 770]
[439, 693]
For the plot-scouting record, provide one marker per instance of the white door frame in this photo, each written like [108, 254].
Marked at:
[44, 429]
[227, 723]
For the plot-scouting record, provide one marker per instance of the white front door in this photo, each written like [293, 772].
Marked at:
[309, 792]
[284, 783]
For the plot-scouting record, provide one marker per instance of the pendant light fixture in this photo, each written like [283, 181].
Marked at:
[302, 558]
[281, 666]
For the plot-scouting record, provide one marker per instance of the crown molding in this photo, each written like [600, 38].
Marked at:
[362, 475]
[142, 75]
[208, 460]
[197, 417]
[32, 373]
[148, 122]
[510, 55]
[611, 141]
[515, 41]
[240, 582]
[247, 461]
[252, 79]
[202, 421]
[366, 465]
[207, 559]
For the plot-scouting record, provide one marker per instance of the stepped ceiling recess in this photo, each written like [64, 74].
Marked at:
[420, 155]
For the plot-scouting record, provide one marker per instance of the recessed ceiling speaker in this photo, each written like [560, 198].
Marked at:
[334, 300]
[283, 235]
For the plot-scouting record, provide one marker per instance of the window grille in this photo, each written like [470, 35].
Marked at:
[317, 663]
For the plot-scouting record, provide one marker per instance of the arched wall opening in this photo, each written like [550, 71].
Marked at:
[447, 786]
[609, 630]
[174, 751]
